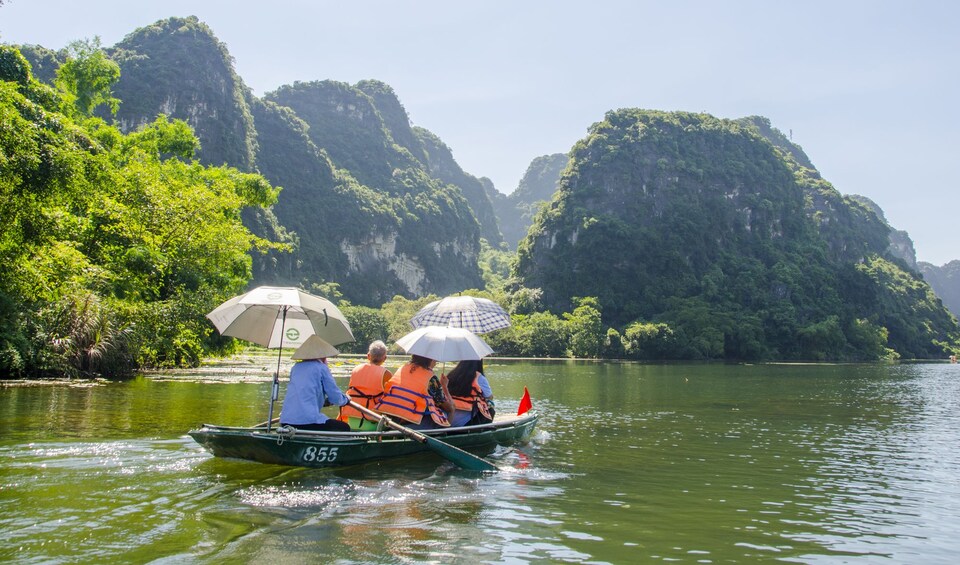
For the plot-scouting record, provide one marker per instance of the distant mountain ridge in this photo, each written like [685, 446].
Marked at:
[539, 183]
[945, 281]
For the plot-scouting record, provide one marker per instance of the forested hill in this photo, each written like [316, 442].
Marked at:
[515, 211]
[729, 240]
[178, 68]
[393, 228]
[368, 201]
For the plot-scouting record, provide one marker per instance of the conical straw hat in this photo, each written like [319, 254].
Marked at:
[315, 348]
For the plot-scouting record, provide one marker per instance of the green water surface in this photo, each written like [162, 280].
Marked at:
[630, 463]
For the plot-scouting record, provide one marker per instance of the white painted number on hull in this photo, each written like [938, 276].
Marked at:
[323, 454]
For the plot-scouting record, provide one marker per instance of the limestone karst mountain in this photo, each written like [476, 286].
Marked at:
[369, 202]
[730, 238]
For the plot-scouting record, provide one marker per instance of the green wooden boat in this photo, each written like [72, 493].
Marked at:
[301, 448]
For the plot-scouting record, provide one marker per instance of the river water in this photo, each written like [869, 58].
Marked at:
[630, 463]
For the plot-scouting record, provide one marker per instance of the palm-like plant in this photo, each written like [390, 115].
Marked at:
[86, 337]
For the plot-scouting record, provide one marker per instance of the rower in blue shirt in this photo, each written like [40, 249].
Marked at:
[311, 387]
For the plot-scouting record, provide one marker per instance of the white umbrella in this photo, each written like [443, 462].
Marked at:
[443, 343]
[277, 316]
[479, 315]
[281, 316]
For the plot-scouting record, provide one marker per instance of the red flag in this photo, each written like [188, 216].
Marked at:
[525, 403]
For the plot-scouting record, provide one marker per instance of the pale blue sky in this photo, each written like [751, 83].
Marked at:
[869, 89]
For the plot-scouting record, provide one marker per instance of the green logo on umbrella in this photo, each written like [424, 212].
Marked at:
[293, 334]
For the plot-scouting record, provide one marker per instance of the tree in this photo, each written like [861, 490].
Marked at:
[586, 328]
[114, 246]
[14, 66]
[367, 324]
[823, 339]
[86, 78]
[643, 340]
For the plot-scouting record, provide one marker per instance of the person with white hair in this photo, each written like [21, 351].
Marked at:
[366, 387]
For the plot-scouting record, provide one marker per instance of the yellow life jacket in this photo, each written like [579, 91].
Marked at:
[405, 396]
[366, 388]
[475, 398]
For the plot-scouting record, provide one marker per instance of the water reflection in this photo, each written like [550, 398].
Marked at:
[413, 510]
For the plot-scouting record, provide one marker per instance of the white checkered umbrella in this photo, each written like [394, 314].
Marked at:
[479, 315]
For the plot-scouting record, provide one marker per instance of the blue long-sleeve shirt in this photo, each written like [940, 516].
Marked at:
[311, 384]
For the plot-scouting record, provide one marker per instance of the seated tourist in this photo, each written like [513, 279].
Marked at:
[471, 393]
[366, 387]
[416, 397]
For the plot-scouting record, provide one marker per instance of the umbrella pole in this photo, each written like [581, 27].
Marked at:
[275, 389]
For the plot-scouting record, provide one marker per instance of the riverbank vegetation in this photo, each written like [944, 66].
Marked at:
[114, 246]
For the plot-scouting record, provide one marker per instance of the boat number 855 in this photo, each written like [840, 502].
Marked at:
[320, 455]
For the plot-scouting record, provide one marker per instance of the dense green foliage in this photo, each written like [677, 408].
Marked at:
[706, 226]
[114, 245]
[87, 76]
[43, 62]
[368, 324]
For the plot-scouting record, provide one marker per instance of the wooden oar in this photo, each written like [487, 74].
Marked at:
[262, 424]
[445, 450]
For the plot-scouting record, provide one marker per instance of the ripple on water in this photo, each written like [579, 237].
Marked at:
[94, 499]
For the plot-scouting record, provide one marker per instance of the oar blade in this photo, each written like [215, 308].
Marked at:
[460, 457]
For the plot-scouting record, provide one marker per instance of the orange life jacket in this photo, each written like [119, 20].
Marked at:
[366, 388]
[405, 396]
[475, 398]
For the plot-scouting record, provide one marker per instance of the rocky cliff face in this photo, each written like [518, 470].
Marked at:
[900, 246]
[702, 222]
